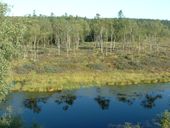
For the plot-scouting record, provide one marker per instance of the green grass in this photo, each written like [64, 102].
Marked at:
[50, 82]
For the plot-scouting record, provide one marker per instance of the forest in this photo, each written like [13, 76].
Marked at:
[69, 34]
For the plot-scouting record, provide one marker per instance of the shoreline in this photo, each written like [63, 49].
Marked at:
[52, 82]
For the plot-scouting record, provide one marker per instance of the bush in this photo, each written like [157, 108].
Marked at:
[165, 120]
[127, 62]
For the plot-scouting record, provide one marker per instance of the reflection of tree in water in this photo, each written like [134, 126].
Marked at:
[66, 99]
[103, 102]
[32, 103]
[129, 99]
[149, 101]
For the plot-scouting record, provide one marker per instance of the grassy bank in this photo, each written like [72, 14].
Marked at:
[50, 82]
[52, 72]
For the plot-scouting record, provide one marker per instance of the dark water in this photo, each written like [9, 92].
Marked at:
[105, 107]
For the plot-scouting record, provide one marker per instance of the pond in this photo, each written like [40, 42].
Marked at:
[95, 107]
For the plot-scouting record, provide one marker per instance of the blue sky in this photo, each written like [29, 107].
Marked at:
[152, 9]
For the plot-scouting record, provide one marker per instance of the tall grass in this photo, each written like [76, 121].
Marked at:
[49, 82]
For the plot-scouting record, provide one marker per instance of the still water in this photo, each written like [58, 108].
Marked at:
[105, 107]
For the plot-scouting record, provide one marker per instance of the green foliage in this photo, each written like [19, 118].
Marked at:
[7, 121]
[3, 67]
[165, 120]
[10, 36]
[3, 9]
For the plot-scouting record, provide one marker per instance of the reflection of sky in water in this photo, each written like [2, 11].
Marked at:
[92, 107]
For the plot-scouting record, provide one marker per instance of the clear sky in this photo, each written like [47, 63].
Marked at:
[152, 9]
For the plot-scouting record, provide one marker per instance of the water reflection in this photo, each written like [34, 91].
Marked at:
[125, 98]
[103, 102]
[66, 100]
[33, 103]
[93, 107]
[149, 100]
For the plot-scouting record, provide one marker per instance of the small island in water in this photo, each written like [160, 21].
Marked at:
[70, 71]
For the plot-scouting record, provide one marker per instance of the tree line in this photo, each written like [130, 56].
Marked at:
[67, 33]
